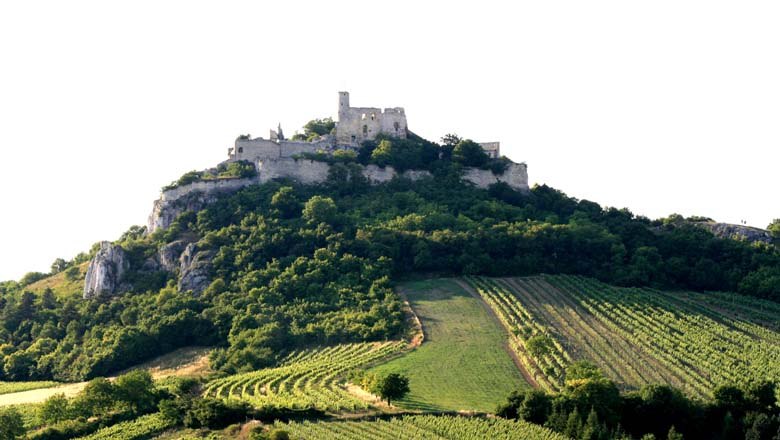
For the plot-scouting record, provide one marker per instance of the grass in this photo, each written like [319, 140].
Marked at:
[15, 387]
[60, 284]
[462, 363]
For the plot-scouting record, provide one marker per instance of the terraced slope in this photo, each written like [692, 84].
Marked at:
[305, 379]
[636, 336]
[421, 428]
[464, 362]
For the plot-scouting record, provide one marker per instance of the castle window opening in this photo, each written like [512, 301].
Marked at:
[397, 126]
[365, 130]
[373, 116]
[240, 149]
[363, 117]
[353, 138]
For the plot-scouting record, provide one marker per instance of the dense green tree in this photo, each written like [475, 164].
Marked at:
[774, 228]
[11, 424]
[469, 153]
[54, 409]
[393, 386]
[320, 209]
[136, 390]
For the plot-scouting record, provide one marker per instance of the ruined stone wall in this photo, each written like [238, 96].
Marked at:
[197, 195]
[302, 170]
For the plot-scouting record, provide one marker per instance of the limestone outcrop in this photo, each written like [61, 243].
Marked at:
[195, 269]
[170, 255]
[737, 232]
[104, 274]
[197, 195]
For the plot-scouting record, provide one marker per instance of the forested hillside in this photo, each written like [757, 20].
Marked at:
[293, 265]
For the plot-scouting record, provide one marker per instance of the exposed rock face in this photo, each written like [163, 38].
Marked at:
[170, 254]
[516, 176]
[197, 195]
[195, 269]
[192, 197]
[737, 232]
[104, 274]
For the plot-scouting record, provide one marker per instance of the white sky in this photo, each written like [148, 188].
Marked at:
[661, 107]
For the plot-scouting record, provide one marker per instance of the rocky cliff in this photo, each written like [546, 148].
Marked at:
[104, 274]
[195, 196]
[737, 232]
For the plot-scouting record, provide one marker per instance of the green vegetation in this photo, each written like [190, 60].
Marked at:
[420, 427]
[307, 379]
[590, 406]
[638, 337]
[774, 228]
[15, 387]
[462, 363]
[390, 387]
[278, 275]
[231, 170]
[137, 429]
[314, 129]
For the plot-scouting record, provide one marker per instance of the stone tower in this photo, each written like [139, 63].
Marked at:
[357, 124]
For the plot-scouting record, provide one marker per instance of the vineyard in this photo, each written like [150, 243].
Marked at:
[636, 336]
[16, 387]
[305, 379]
[420, 428]
[140, 428]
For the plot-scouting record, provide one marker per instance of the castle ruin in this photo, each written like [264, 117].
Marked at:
[354, 125]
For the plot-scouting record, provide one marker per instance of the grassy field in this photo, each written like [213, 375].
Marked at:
[462, 363]
[60, 284]
[693, 341]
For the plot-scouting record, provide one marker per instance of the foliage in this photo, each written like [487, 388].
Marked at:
[15, 387]
[634, 336]
[304, 379]
[282, 278]
[318, 127]
[657, 410]
[774, 228]
[390, 387]
[469, 153]
[225, 170]
[137, 429]
[422, 427]
[11, 424]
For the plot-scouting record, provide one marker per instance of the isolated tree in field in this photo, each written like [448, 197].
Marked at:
[391, 387]
[11, 424]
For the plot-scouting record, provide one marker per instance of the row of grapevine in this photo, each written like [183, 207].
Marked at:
[701, 344]
[305, 379]
[143, 427]
[546, 368]
[420, 427]
[694, 341]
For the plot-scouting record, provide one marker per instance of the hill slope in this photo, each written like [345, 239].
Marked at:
[637, 336]
[462, 363]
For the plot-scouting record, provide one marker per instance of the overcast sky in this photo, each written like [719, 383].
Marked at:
[661, 107]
